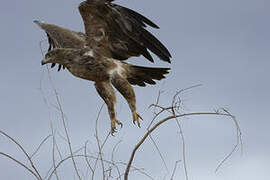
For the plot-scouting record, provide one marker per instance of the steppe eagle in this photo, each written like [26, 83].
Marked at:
[112, 34]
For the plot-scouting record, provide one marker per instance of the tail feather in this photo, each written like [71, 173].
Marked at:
[138, 75]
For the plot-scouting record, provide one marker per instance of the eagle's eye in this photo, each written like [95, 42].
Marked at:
[48, 55]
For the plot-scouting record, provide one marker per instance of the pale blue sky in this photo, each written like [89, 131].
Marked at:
[223, 45]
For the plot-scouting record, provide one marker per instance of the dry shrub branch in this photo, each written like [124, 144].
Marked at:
[113, 168]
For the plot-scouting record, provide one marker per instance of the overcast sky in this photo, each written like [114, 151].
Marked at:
[221, 44]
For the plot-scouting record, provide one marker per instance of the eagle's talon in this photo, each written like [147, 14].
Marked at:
[136, 118]
[113, 127]
[139, 117]
[113, 130]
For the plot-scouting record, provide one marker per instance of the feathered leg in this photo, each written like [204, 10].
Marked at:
[124, 87]
[106, 91]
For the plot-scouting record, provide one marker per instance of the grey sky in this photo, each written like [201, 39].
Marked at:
[223, 45]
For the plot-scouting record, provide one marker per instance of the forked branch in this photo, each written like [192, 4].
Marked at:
[160, 123]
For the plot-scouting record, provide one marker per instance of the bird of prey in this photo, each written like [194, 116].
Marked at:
[112, 34]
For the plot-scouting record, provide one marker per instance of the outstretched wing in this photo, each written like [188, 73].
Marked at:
[119, 32]
[59, 37]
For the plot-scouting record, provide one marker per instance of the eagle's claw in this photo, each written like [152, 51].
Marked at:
[113, 126]
[121, 124]
[136, 118]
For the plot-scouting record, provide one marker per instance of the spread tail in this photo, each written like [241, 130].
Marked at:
[138, 75]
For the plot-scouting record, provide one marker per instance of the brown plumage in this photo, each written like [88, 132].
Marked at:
[105, 72]
[59, 37]
[112, 34]
[119, 32]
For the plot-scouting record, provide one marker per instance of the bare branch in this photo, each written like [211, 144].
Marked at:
[86, 158]
[158, 97]
[114, 148]
[42, 142]
[20, 163]
[64, 123]
[159, 152]
[174, 169]
[181, 131]
[99, 146]
[183, 147]
[112, 158]
[238, 140]
[150, 177]
[53, 152]
[155, 127]
[160, 112]
[140, 170]
[105, 140]
[23, 150]
[75, 156]
[58, 150]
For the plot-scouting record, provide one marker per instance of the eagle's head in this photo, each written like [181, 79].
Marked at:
[61, 56]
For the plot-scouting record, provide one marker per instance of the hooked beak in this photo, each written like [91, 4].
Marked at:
[44, 61]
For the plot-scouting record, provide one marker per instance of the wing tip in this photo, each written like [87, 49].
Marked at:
[155, 26]
[166, 59]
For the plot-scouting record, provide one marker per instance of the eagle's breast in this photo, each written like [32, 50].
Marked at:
[117, 68]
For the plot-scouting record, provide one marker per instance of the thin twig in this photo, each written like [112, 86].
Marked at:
[48, 172]
[157, 125]
[62, 137]
[42, 142]
[114, 148]
[58, 150]
[183, 147]
[20, 163]
[105, 140]
[53, 152]
[160, 112]
[238, 140]
[181, 131]
[99, 146]
[140, 170]
[174, 169]
[159, 152]
[75, 156]
[157, 102]
[64, 123]
[112, 158]
[86, 158]
[78, 150]
[25, 153]
[150, 177]
[158, 98]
